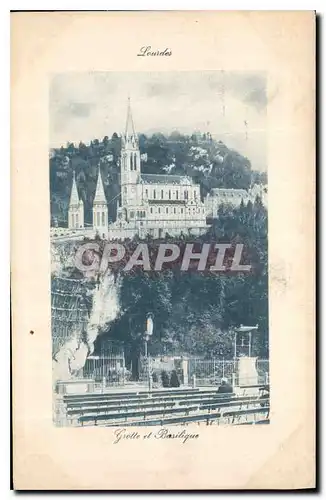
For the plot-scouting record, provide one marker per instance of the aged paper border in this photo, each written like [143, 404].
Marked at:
[280, 455]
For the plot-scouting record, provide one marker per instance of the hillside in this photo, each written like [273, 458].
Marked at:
[212, 164]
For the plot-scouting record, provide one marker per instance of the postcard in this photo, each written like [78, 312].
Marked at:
[162, 221]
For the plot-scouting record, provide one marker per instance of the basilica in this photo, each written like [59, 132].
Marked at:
[149, 204]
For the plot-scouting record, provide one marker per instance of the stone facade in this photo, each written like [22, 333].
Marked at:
[233, 197]
[155, 204]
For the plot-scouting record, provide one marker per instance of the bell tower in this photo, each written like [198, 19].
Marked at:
[76, 208]
[130, 163]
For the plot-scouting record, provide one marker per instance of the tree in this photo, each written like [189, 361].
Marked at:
[70, 151]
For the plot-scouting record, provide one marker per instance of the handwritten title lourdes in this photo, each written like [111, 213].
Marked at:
[148, 51]
[122, 434]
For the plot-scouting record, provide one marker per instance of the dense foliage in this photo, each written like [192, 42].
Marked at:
[195, 312]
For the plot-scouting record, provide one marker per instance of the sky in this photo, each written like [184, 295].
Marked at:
[87, 106]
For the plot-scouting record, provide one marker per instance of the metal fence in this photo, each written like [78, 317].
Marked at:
[210, 371]
[108, 367]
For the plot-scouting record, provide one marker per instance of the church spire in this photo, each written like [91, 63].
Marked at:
[99, 193]
[130, 128]
[74, 198]
[76, 208]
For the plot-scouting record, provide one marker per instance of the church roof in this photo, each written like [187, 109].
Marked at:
[228, 192]
[99, 193]
[166, 202]
[74, 198]
[165, 179]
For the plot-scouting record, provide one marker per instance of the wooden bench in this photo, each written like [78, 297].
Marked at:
[120, 408]
[255, 386]
[173, 420]
[163, 406]
[249, 411]
[208, 417]
[133, 414]
[135, 397]
[94, 414]
[257, 422]
[260, 387]
[140, 399]
[126, 395]
[73, 408]
[235, 402]
[93, 408]
[85, 402]
[108, 407]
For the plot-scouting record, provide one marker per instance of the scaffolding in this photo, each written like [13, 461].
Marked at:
[69, 312]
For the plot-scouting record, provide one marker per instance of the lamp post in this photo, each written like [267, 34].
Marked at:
[147, 336]
[223, 364]
[243, 330]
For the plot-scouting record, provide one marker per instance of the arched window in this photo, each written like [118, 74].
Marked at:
[162, 194]
[97, 218]
[167, 210]
[177, 194]
[73, 220]
[154, 194]
[135, 161]
[76, 220]
[131, 162]
[103, 219]
[169, 194]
